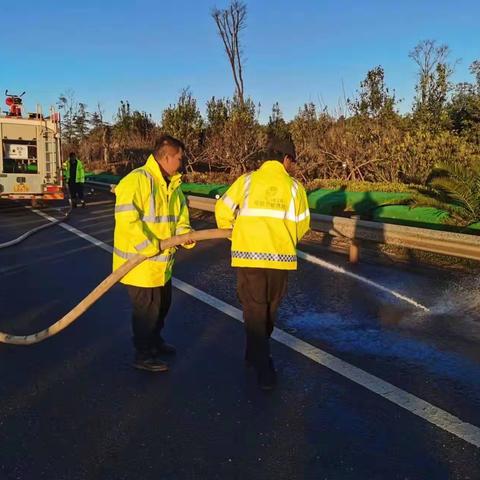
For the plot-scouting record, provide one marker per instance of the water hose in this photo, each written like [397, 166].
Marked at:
[24, 236]
[107, 284]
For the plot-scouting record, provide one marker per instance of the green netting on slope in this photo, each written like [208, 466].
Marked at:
[320, 201]
[103, 177]
[374, 206]
[423, 217]
[204, 190]
[405, 215]
[335, 202]
[369, 205]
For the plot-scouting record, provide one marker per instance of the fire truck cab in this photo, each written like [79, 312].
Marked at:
[30, 154]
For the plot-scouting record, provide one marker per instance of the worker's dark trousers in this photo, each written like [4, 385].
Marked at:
[260, 291]
[76, 190]
[150, 307]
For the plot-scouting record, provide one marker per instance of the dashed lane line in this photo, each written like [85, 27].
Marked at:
[77, 232]
[96, 218]
[110, 209]
[432, 414]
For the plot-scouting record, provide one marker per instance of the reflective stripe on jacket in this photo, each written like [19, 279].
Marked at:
[146, 211]
[79, 172]
[269, 213]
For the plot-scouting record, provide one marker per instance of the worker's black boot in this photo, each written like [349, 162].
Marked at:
[149, 363]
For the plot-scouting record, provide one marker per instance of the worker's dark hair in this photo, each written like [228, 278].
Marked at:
[277, 148]
[72, 154]
[166, 141]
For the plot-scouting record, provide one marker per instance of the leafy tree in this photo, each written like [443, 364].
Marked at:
[184, 121]
[374, 99]
[74, 119]
[475, 70]
[234, 138]
[133, 124]
[314, 138]
[464, 107]
[217, 113]
[81, 122]
[433, 82]
[421, 148]
[276, 124]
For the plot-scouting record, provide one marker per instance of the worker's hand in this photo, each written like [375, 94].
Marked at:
[189, 244]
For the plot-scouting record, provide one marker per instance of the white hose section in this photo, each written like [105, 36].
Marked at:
[106, 285]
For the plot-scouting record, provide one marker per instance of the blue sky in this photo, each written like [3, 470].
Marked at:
[146, 51]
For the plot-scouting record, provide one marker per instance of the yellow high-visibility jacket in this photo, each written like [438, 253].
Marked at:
[146, 211]
[79, 171]
[269, 213]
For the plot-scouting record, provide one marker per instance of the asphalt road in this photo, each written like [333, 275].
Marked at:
[72, 407]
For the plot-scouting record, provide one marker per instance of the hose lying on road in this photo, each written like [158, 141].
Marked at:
[21, 238]
[108, 283]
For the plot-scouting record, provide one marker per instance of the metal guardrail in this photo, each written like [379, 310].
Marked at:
[201, 203]
[434, 241]
[355, 230]
[102, 185]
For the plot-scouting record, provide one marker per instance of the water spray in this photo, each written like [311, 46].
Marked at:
[335, 268]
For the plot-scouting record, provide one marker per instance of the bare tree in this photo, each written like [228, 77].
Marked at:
[431, 59]
[106, 133]
[230, 22]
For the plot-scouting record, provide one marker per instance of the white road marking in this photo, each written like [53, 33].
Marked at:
[432, 414]
[95, 218]
[103, 210]
[77, 232]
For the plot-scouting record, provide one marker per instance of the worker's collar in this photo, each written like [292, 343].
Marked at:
[273, 165]
[154, 168]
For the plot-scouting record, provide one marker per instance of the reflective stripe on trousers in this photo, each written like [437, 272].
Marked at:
[272, 257]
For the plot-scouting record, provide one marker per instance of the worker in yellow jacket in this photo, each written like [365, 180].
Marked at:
[150, 206]
[74, 175]
[269, 214]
